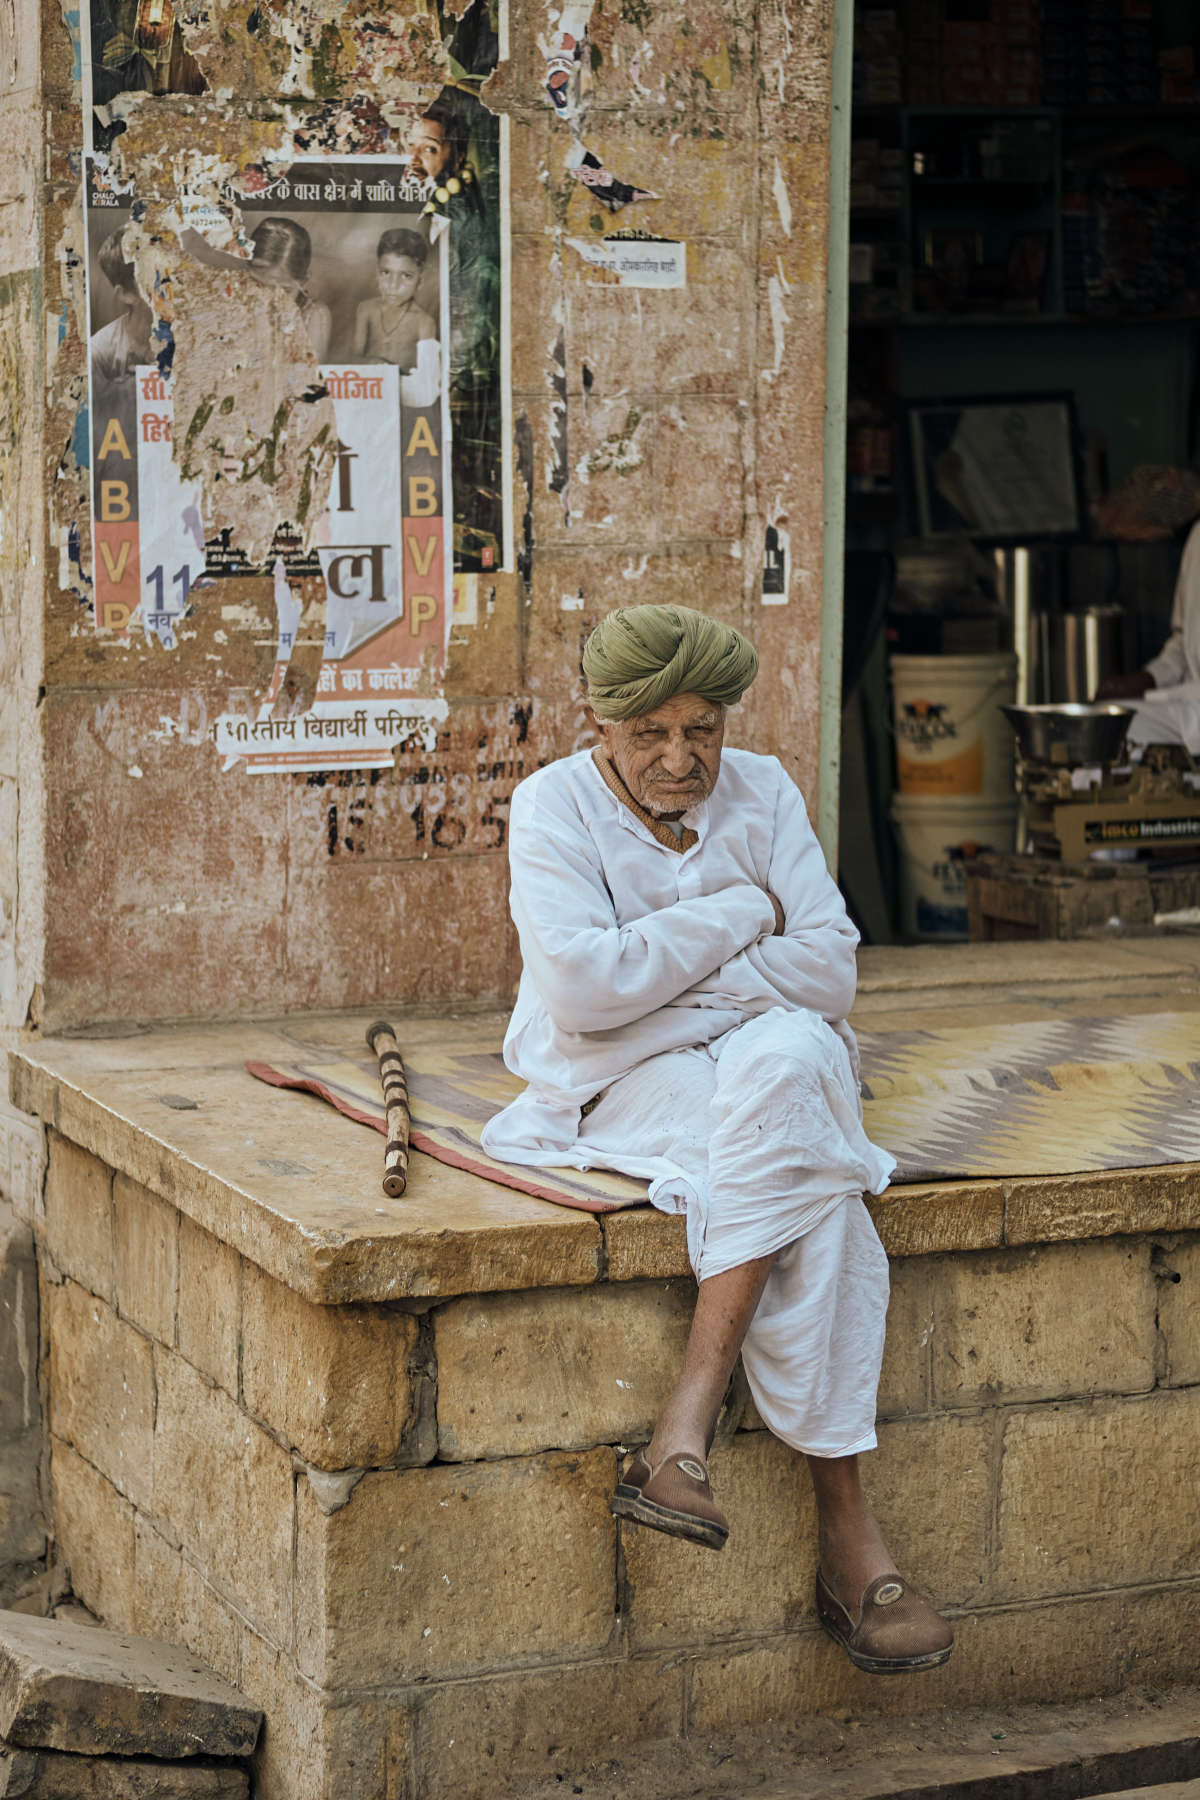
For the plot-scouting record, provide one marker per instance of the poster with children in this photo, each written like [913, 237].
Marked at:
[386, 233]
[347, 241]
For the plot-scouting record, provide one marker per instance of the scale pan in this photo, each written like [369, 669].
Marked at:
[1074, 734]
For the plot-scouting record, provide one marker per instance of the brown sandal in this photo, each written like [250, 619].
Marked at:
[675, 1497]
[896, 1631]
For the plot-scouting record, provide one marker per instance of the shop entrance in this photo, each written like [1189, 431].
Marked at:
[1021, 469]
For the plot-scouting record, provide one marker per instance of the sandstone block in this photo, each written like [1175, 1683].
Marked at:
[1098, 1494]
[145, 1258]
[904, 1377]
[96, 1692]
[450, 1569]
[760, 1582]
[1113, 1201]
[1040, 1323]
[94, 1530]
[288, 1763]
[1074, 1648]
[210, 1304]
[79, 1215]
[482, 1738]
[1178, 1312]
[172, 1601]
[645, 1242]
[930, 1483]
[102, 1389]
[557, 1369]
[1063, 1651]
[923, 1220]
[23, 1162]
[800, 1676]
[333, 1380]
[224, 1488]
[57, 1775]
[313, 1750]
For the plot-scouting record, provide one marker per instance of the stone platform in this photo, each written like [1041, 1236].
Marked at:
[356, 1453]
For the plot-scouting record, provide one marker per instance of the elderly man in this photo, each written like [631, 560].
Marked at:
[688, 965]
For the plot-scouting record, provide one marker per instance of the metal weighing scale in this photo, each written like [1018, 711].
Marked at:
[1079, 794]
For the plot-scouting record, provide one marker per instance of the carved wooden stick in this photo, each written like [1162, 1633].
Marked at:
[382, 1040]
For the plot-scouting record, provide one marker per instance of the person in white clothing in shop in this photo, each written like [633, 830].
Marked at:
[688, 967]
[1165, 695]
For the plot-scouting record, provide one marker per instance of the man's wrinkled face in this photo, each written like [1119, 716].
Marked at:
[668, 758]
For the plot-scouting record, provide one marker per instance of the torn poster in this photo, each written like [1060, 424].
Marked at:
[134, 47]
[564, 53]
[607, 188]
[403, 313]
[636, 260]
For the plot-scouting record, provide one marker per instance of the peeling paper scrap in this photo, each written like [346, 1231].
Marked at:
[319, 739]
[564, 52]
[637, 262]
[608, 188]
[776, 550]
[465, 608]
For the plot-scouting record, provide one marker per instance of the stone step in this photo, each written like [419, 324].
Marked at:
[83, 1689]
[55, 1775]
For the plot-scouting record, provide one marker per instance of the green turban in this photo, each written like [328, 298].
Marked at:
[640, 656]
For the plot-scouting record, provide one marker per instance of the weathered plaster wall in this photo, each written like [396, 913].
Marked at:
[656, 437]
[25, 475]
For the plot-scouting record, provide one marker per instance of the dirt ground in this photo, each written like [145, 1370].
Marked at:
[851, 1758]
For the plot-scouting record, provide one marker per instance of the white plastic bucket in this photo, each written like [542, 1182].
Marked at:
[936, 839]
[952, 740]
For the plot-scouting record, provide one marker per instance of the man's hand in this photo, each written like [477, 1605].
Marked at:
[780, 921]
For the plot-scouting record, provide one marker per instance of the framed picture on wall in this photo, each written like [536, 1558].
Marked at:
[1002, 468]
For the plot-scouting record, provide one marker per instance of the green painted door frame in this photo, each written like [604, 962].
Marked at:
[837, 302]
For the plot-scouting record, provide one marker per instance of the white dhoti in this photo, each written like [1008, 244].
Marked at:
[758, 1138]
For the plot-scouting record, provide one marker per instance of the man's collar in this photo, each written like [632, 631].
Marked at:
[657, 827]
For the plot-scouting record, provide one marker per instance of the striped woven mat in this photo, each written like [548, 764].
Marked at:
[1048, 1097]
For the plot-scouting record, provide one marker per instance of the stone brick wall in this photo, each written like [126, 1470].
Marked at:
[389, 1524]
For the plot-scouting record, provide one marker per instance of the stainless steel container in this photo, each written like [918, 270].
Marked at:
[1074, 736]
[1070, 653]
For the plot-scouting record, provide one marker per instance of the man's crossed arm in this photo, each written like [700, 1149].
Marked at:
[720, 950]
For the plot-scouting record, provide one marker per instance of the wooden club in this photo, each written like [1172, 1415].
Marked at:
[382, 1040]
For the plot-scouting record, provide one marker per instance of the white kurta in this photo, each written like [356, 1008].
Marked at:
[1170, 712]
[653, 978]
